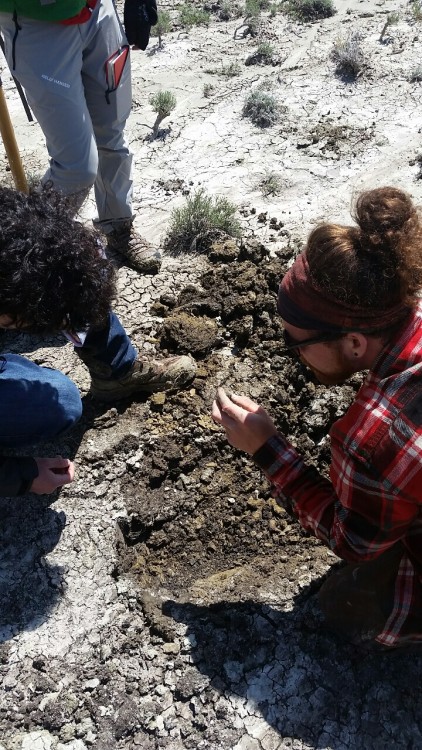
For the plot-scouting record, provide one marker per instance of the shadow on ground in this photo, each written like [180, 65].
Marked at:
[302, 680]
[29, 585]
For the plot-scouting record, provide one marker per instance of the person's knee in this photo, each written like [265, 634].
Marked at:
[74, 177]
[89, 174]
[67, 409]
[59, 401]
[69, 182]
[47, 401]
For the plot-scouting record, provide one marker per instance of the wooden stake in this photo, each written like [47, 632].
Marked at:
[11, 146]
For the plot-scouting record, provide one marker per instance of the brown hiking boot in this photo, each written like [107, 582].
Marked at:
[146, 376]
[138, 253]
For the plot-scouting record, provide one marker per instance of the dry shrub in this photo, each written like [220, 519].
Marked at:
[310, 10]
[348, 56]
[195, 224]
[261, 108]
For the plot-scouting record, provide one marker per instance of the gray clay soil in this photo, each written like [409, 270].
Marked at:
[165, 600]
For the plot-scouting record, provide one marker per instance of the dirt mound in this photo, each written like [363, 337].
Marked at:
[195, 506]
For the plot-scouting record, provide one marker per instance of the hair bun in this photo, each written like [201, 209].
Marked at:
[382, 216]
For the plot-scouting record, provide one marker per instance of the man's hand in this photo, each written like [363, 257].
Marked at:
[52, 473]
[247, 424]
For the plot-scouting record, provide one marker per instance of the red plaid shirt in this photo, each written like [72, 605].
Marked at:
[374, 497]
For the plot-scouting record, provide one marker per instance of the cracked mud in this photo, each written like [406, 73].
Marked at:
[165, 600]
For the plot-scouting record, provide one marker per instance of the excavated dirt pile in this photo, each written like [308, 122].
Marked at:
[195, 506]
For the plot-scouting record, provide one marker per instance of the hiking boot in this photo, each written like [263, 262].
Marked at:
[146, 376]
[138, 253]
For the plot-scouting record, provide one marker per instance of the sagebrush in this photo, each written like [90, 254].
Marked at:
[348, 55]
[163, 103]
[271, 184]
[195, 224]
[261, 108]
[391, 20]
[163, 26]
[416, 74]
[310, 10]
[190, 16]
[263, 55]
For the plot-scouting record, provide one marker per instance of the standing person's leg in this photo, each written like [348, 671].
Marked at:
[117, 372]
[62, 71]
[109, 112]
[36, 403]
[101, 38]
[47, 61]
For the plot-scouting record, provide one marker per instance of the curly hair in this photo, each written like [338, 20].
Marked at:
[376, 264]
[52, 273]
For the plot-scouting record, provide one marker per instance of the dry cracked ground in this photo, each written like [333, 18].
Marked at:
[165, 600]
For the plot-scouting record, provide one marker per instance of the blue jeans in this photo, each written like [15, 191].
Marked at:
[107, 350]
[38, 403]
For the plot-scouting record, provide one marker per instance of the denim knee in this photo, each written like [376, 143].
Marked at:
[36, 403]
[69, 404]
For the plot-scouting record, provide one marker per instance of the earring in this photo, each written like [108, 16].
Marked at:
[356, 354]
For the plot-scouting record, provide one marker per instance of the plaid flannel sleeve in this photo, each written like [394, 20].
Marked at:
[357, 516]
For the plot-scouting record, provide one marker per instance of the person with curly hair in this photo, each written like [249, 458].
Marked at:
[54, 277]
[351, 302]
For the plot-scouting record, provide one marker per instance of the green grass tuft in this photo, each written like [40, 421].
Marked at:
[310, 10]
[194, 225]
[261, 108]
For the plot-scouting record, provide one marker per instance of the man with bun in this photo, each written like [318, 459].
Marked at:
[351, 302]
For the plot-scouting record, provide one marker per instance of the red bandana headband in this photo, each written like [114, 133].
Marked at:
[303, 304]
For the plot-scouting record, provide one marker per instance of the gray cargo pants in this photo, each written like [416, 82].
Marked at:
[62, 71]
